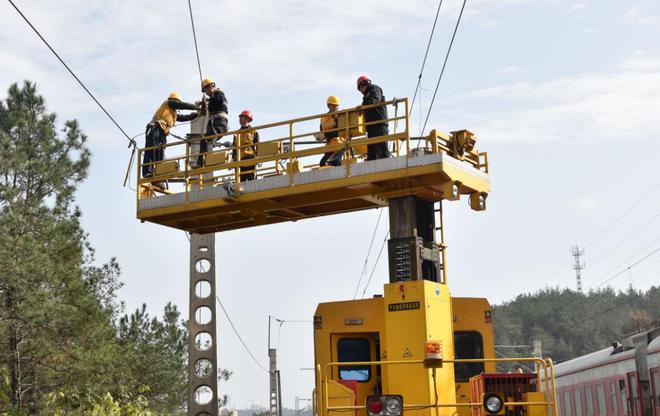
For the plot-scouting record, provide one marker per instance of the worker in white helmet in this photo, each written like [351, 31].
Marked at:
[159, 128]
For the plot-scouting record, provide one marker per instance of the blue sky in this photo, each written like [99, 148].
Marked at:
[564, 95]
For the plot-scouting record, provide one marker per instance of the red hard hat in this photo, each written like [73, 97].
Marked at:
[361, 79]
[247, 113]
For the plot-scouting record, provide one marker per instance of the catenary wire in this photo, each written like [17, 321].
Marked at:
[366, 259]
[601, 313]
[231, 323]
[192, 23]
[131, 142]
[628, 268]
[444, 65]
[376, 263]
[426, 54]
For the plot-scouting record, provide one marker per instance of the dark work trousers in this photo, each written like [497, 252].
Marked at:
[248, 173]
[377, 150]
[216, 126]
[155, 136]
[332, 159]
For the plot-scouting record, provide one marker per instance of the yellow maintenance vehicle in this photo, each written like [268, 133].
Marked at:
[416, 349]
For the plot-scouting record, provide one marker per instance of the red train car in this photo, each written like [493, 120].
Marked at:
[622, 380]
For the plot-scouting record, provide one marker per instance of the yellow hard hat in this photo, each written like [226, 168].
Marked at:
[334, 100]
[207, 82]
[174, 96]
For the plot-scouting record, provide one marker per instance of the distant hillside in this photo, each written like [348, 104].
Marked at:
[569, 323]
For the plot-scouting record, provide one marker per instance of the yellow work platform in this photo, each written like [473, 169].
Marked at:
[206, 193]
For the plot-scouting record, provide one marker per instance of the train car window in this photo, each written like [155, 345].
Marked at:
[468, 344]
[656, 387]
[589, 400]
[559, 402]
[624, 399]
[578, 402]
[352, 350]
[634, 395]
[615, 401]
[567, 403]
[600, 392]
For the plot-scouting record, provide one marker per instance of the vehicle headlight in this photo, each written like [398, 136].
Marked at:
[393, 405]
[492, 403]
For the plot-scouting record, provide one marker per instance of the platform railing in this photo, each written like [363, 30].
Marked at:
[544, 370]
[291, 146]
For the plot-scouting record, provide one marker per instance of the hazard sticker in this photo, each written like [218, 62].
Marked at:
[407, 353]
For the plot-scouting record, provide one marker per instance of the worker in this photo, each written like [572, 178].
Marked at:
[330, 122]
[159, 128]
[244, 140]
[373, 94]
[217, 111]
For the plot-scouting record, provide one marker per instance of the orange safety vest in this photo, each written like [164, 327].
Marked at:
[165, 117]
[330, 122]
[245, 138]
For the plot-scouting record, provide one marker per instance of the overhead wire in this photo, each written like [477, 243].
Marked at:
[628, 268]
[444, 66]
[366, 259]
[426, 54]
[366, 286]
[609, 227]
[131, 142]
[192, 23]
[247, 349]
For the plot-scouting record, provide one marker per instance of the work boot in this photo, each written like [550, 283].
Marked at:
[229, 186]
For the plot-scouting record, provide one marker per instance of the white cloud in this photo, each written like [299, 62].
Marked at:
[576, 8]
[637, 15]
[584, 108]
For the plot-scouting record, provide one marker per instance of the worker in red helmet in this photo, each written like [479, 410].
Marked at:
[246, 141]
[373, 94]
[329, 123]
[159, 128]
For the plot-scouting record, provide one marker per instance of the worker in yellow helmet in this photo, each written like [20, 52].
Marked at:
[217, 109]
[243, 140]
[328, 123]
[159, 128]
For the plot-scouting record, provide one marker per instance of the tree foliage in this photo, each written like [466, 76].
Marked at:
[64, 346]
[570, 323]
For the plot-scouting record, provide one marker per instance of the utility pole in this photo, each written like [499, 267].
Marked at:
[202, 340]
[577, 266]
[275, 397]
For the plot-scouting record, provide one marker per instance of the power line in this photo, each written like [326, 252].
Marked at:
[239, 335]
[428, 46]
[366, 259]
[376, 263]
[601, 313]
[131, 142]
[629, 267]
[192, 23]
[444, 65]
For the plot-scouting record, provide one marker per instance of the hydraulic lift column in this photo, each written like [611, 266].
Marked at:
[412, 248]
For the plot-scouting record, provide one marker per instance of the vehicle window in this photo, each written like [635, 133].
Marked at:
[567, 403]
[559, 402]
[353, 350]
[588, 400]
[468, 344]
[615, 401]
[600, 391]
[624, 399]
[578, 402]
[656, 387]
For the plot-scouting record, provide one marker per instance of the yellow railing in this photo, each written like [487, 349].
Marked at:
[283, 149]
[544, 369]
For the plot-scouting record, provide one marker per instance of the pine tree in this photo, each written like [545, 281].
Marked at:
[54, 330]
